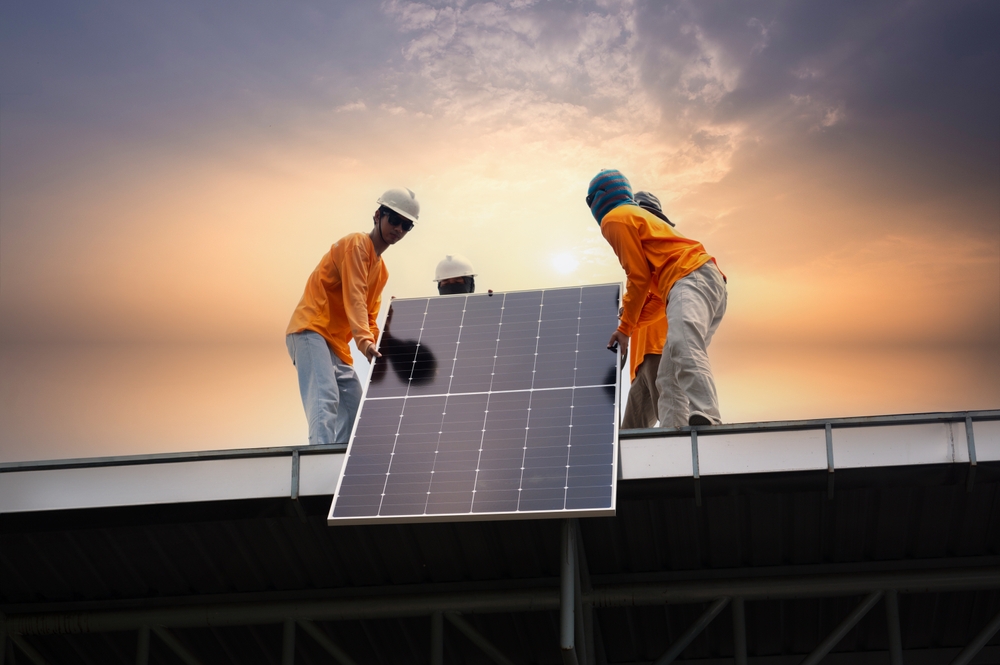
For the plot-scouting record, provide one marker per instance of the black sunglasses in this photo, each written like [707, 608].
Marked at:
[590, 197]
[398, 220]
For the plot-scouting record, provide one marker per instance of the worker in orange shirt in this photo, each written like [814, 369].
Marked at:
[341, 302]
[645, 346]
[659, 261]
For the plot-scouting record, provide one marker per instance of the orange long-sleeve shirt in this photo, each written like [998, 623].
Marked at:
[647, 340]
[343, 296]
[654, 257]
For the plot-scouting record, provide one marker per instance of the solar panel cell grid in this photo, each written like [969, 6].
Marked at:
[485, 407]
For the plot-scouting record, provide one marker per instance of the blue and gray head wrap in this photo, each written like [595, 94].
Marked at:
[608, 190]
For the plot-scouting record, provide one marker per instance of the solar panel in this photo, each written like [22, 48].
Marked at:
[497, 406]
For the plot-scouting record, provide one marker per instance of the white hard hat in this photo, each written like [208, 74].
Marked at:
[453, 265]
[403, 201]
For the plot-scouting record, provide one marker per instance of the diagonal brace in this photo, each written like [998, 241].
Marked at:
[478, 639]
[175, 646]
[845, 627]
[313, 631]
[28, 650]
[978, 642]
[694, 631]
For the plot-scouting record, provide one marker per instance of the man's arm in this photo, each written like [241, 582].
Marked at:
[354, 278]
[373, 325]
[624, 239]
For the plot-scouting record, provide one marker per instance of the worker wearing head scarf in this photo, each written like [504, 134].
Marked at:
[678, 271]
[645, 346]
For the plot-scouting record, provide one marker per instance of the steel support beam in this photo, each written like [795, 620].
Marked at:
[739, 632]
[692, 632]
[567, 600]
[892, 627]
[142, 646]
[294, 494]
[582, 653]
[829, 461]
[175, 646]
[694, 467]
[437, 638]
[478, 639]
[313, 631]
[588, 638]
[33, 655]
[806, 586]
[242, 614]
[978, 642]
[845, 626]
[970, 440]
[515, 600]
[295, 476]
[288, 643]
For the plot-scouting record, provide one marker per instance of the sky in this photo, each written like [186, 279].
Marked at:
[170, 174]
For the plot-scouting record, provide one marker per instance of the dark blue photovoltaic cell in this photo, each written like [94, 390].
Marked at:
[488, 404]
[360, 491]
[515, 362]
[408, 479]
[599, 318]
[555, 364]
[438, 340]
[543, 479]
[499, 470]
[473, 371]
[454, 475]
[592, 449]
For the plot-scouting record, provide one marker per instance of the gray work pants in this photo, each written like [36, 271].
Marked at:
[695, 307]
[640, 409]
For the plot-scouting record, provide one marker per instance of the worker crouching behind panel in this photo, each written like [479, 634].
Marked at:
[455, 274]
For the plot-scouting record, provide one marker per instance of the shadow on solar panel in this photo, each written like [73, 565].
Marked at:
[499, 406]
[410, 361]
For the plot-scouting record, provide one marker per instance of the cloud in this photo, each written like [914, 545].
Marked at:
[576, 74]
[525, 57]
[833, 116]
[351, 106]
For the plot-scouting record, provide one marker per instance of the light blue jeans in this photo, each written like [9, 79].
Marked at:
[331, 391]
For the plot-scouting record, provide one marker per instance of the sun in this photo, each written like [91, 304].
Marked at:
[564, 263]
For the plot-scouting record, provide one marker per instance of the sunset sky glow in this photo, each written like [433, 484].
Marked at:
[170, 173]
